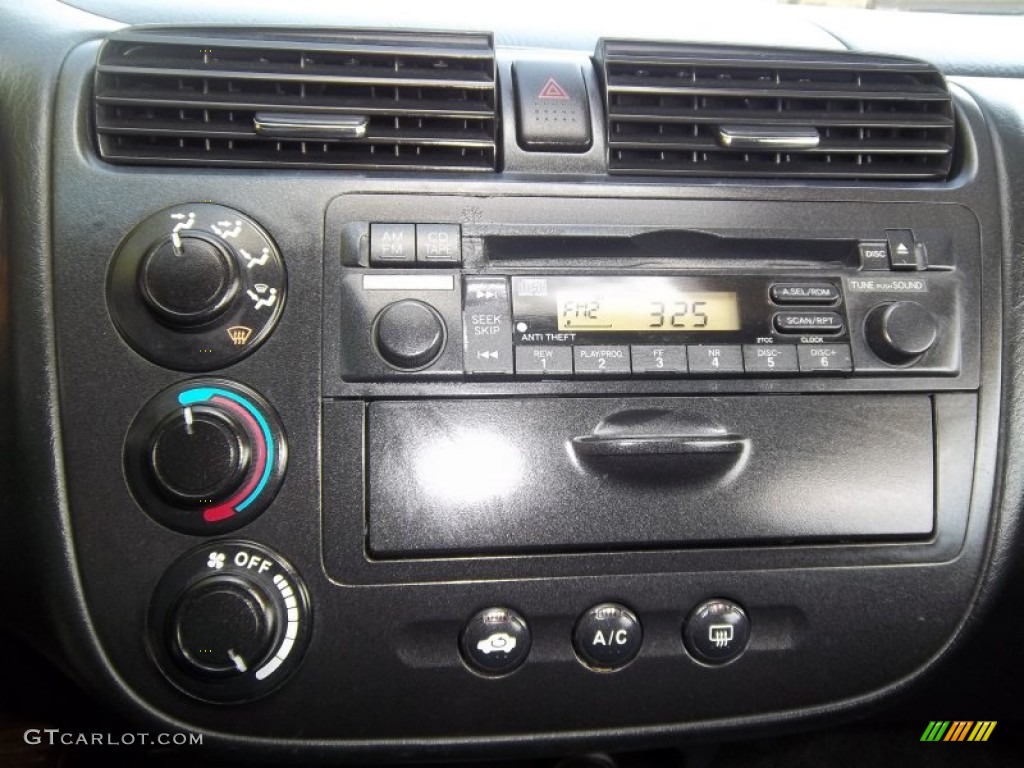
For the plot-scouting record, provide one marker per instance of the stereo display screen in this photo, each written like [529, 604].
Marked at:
[644, 305]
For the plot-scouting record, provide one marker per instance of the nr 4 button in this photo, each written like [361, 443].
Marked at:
[607, 637]
[495, 641]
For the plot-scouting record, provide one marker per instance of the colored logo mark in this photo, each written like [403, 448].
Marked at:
[958, 730]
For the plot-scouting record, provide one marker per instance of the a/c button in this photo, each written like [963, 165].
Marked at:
[608, 636]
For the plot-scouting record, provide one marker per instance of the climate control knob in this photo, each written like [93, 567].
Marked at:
[196, 287]
[205, 456]
[229, 621]
[189, 280]
[200, 455]
[409, 334]
[899, 332]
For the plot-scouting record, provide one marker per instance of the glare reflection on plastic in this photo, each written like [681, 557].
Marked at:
[469, 466]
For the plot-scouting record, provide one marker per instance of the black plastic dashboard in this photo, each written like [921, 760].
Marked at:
[381, 464]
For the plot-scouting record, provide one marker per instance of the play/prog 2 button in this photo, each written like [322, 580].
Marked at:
[495, 641]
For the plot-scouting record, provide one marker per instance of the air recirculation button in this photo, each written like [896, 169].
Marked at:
[205, 456]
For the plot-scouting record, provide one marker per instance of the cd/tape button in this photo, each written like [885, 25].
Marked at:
[601, 360]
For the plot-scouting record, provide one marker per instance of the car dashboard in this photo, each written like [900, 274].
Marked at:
[443, 386]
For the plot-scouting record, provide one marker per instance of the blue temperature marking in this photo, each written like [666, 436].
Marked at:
[201, 394]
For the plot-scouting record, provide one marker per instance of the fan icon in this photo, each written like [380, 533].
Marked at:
[216, 560]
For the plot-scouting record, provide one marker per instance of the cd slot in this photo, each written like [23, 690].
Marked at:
[664, 248]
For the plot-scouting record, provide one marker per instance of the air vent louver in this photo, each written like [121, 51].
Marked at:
[390, 100]
[719, 111]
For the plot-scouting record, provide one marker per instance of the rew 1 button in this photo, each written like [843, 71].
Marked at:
[607, 637]
[495, 641]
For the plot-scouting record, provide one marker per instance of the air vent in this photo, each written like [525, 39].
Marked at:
[722, 111]
[365, 100]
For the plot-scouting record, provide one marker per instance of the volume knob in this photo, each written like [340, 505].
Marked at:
[900, 332]
[409, 334]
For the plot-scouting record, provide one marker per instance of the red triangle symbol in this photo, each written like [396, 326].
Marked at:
[552, 90]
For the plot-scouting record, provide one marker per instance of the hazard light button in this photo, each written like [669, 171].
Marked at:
[552, 112]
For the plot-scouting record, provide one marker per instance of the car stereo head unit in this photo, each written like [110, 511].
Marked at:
[636, 321]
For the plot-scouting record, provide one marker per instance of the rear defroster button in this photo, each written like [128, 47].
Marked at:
[716, 631]
[495, 641]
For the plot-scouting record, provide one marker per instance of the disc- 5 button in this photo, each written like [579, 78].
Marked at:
[495, 641]
[608, 636]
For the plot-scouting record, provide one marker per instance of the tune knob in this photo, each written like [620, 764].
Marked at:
[229, 621]
[900, 332]
[409, 334]
[205, 456]
[188, 280]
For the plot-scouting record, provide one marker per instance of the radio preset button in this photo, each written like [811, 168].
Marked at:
[487, 320]
[770, 358]
[543, 360]
[598, 360]
[825, 358]
[804, 293]
[715, 358]
[392, 244]
[439, 244]
[808, 322]
[659, 359]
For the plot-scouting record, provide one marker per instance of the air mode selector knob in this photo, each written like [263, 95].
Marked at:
[409, 334]
[189, 280]
[899, 332]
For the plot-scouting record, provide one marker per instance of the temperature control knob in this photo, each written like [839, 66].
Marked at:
[229, 621]
[900, 332]
[409, 334]
[205, 456]
[196, 287]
